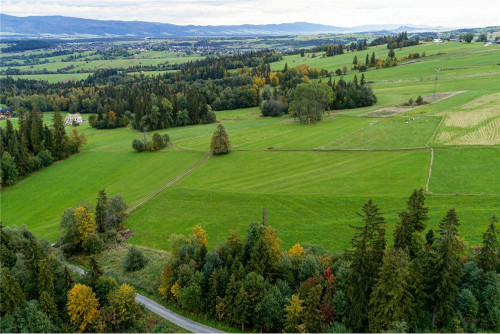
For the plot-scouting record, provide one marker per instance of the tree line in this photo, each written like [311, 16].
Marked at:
[424, 282]
[34, 145]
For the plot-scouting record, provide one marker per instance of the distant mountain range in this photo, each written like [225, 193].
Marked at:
[61, 26]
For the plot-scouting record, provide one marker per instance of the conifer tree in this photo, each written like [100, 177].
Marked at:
[367, 60]
[60, 138]
[220, 141]
[489, 256]
[67, 279]
[232, 291]
[312, 313]
[46, 290]
[391, 299]
[362, 82]
[36, 131]
[242, 308]
[11, 295]
[355, 60]
[100, 211]
[372, 59]
[412, 220]
[368, 248]
[447, 268]
[94, 273]
[355, 81]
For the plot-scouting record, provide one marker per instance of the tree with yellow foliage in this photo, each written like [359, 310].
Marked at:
[167, 276]
[200, 234]
[122, 311]
[296, 251]
[85, 222]
[176, 290]
[83, 307]
[293, 314]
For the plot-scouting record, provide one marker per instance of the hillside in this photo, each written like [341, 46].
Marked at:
[33, 26]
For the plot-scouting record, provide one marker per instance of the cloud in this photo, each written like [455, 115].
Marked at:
[458, 13]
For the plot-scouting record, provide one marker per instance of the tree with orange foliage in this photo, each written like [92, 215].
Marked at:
[83, 307]
[111, 116]
[200, 234]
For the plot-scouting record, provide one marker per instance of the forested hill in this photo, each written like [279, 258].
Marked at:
[33, 26]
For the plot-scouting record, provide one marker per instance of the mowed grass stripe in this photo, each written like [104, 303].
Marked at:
[312, 172]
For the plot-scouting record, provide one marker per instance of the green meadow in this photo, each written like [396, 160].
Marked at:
[311, 179]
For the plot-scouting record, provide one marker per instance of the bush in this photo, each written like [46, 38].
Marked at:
[336, 327]
[419, 100]
[92, 244]
[272, 108]
[363, 68]
[134, 260]
[138, 145]
[45, 158]
[211, 117]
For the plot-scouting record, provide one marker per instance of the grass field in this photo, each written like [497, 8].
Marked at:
[311, 196]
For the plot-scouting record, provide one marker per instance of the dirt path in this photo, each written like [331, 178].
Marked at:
[171, 182]
[430, 172]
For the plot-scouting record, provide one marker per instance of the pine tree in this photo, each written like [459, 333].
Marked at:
[232, 291]
[355, 81]
[366, 256]
[447, 268]
[11, 295]
[362, 82]
[412, 220]
[220, 141]
[60, 138]
[372, 59]
[67, 279]
[36, 133]
[100, 211]
[355, 60]
[94, 273]
[391, 299]
[367, 60]
[242, 308]
[312, 313]
[46, 290]
[489, 257]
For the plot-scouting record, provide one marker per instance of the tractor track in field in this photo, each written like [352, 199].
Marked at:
[171, 182]
[430, 172]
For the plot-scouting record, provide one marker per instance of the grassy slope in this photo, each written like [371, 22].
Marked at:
[311, 196]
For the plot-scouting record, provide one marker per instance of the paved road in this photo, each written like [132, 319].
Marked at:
[154, 307]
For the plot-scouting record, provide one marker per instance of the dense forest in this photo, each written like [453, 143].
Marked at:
[188, 96]
[40, 293]
[34, 145]
[421, 283]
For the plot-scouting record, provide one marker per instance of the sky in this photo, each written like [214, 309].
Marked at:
[344, 13]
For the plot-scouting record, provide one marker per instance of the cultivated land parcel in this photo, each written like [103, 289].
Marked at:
[312, 179]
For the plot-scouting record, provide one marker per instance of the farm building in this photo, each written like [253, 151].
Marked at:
[437, 40]
[5, 113]
[73, 117]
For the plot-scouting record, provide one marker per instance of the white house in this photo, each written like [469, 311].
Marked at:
[73, 117]
[437, 40]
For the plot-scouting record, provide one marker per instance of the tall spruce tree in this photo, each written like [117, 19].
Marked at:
[60, 138]
[372, 59]
[489, 256]
[46, 290]
[446, 268]
[100, 211]
[367, 252]
[11, 295]
[410, 221]
[36, 131]
[242, 308]
[94, 273]
[391, 299]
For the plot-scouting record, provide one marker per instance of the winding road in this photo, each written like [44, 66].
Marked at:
[163, 312]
